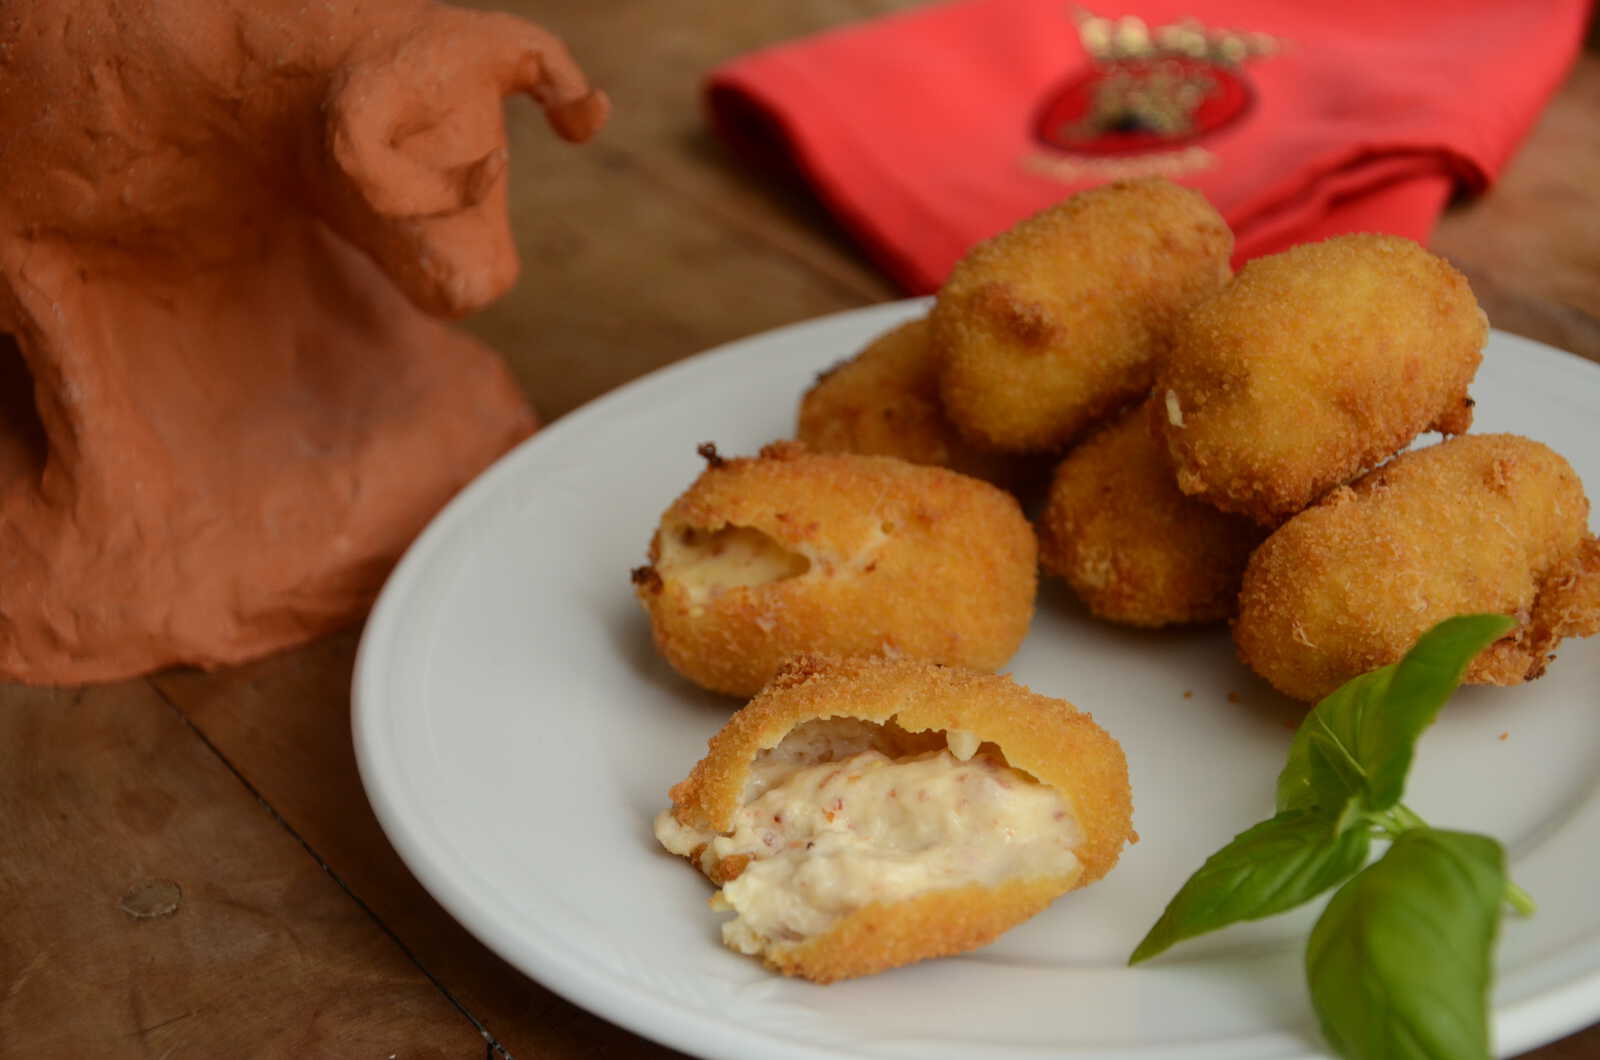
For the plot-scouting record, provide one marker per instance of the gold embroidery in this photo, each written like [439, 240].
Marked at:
[1155, 79]
[1150, 91]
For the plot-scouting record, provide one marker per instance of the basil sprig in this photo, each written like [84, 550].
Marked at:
[1399, 962]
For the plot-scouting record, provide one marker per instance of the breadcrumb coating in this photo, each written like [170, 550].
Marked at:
[1056, 323]
[1132, 546]
[1315, 365]
[792, 551]
[1045, 738]
[885, 401]
[1479, 523]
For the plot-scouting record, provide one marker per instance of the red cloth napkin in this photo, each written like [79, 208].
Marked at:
[920, 130]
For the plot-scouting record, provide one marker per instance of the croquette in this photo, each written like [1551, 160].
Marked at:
[885, 401]
[1315, 365]
[1057, 323]
[763, 558]
[1129, 543]
[1479, 523]
[862, 814]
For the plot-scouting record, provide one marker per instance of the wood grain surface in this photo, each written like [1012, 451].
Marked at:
[190, 865]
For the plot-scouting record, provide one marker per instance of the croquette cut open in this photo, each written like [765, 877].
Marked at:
[792, 551]
[862, 814]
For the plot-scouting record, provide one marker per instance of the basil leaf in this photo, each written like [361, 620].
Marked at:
[1386, 740]
[1399, 963]
[1334, 770]
[1361, 738]
[1277, 865]
[1328, 775]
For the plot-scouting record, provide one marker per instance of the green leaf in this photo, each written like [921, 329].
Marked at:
[1399, 963]
[1421, 684]
[1334, 770]
[1359, 741]
[1274, 866]
[1320, 769]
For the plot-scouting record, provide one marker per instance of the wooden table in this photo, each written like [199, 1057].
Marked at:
[190, 866]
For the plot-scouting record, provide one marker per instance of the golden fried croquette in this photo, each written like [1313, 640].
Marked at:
[863, 814]
[885, 402]
[1056, 323]
[1315, 365]
[794, 551]
[1479, 523]
[1131, 545]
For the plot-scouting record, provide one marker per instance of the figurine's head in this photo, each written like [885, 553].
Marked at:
[178, 126]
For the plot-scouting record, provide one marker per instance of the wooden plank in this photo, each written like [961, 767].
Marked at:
[285, 722]
[1529, 246]
[151, 906]
[619, 279]
[660, 125]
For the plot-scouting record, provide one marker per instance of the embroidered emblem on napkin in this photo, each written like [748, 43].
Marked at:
[1150, 95]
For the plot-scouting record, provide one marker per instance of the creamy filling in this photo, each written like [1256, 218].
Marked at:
[1174, 410]
[826, 838]
[707, 563]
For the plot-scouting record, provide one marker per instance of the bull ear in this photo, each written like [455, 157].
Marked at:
[416, 127]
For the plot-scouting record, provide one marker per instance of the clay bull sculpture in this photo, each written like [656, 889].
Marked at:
[229, 235]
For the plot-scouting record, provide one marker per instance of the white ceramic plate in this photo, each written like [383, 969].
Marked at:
[516, 734]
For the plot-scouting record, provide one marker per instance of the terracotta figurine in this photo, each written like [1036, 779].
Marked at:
[228, 232]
